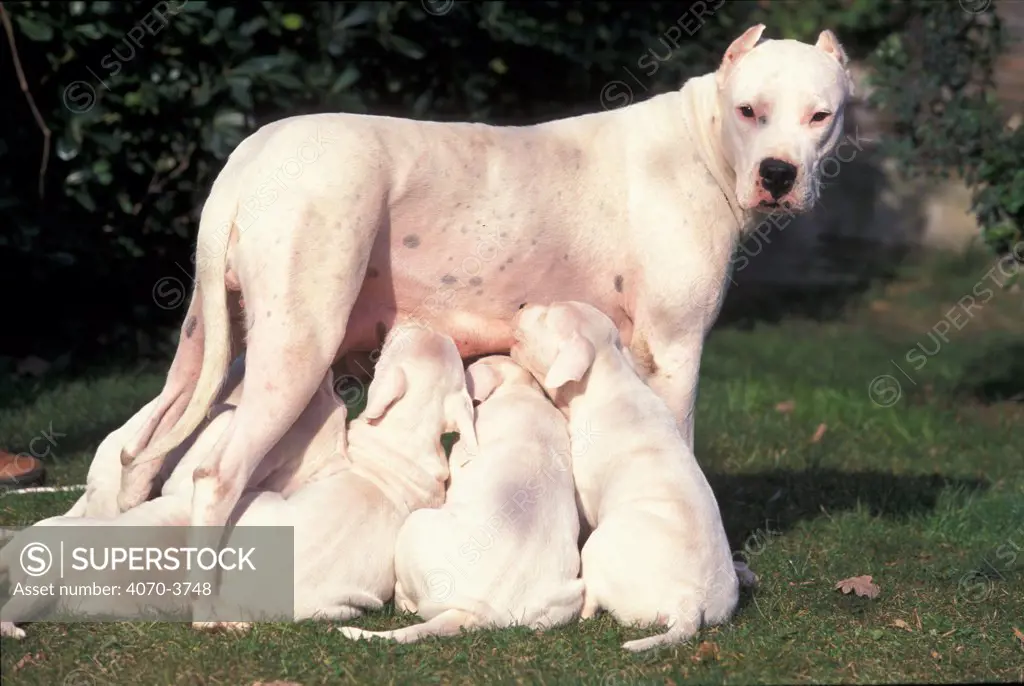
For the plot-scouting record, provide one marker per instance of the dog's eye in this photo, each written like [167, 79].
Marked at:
[747, 111]
[820, 116]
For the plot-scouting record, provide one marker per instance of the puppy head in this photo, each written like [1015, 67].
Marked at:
[422, 369]
[782, 105]
[488, 374]
[558, 343]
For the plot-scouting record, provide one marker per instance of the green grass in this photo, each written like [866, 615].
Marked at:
[927, 496]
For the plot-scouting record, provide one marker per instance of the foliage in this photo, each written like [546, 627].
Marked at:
[933, 78]
[144, 105]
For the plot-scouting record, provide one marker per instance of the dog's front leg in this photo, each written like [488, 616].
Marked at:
[674, 378]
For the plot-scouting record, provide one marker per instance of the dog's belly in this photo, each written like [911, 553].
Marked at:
[476, 314]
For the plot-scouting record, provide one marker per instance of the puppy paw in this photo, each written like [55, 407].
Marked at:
[746, 577]
[8, 629]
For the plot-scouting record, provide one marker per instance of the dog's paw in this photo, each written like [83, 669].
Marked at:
[225, 627]
[9, 630]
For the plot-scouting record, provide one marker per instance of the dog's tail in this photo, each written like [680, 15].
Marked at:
[448, 623]
[216, 226]
[679, 630]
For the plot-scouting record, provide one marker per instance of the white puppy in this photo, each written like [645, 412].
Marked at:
[658, 552]
[347, 518]
[503, 549]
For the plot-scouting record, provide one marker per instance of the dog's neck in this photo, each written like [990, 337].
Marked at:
[401, 453]
[703, 119]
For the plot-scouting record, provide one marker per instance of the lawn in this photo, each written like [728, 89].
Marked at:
[816, 479]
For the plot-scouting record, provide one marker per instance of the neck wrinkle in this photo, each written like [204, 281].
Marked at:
[404, 464]
[703, 120]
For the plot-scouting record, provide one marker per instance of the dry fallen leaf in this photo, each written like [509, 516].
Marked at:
[917, 618]
[900, 624]
[706, 651]
[1020, 636]
[860, 585]
[786, 406]
[936, 655]
[818, 433]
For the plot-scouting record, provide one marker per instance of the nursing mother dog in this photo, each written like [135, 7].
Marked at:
[637, 211]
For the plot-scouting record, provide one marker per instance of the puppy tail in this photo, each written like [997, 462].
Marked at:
[448, 623]
[679, 630]
[211, 267]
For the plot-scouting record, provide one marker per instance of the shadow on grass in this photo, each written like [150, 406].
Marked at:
[996, 376]
[757, 506]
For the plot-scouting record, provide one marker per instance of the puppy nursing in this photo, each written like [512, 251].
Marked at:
[455, 570]
[658, 552]
[346, 517]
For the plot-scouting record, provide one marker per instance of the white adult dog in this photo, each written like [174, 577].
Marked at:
[658, 552]
[502, 550]
[637, 211]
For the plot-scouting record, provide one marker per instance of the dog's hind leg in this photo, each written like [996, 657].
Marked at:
[180, 383]
[301, 279]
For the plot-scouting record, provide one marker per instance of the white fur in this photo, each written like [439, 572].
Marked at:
[657, 552]
[502, 550]
[636, 210]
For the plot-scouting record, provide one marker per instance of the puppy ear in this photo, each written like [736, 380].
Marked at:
[572, 361]
[384, 392]
[740, 47]
[458, 410]
[481, 380]
[828, 42]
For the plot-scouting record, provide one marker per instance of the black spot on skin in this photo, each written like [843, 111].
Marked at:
[522, 305]
[411, 241]
[372, 273]
[502, 233]
[190, 326]
[450, 258]
[618, 282]
[465, 230]
[479, 292]
[448, 278]
[501, 268]
[475, 281]
[268, 314]
[508, 261]
[565, 256]
[382, 332]
[533, 242]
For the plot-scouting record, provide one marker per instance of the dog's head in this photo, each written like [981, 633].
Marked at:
[489, 374]
[782, 105]
[421, 370]
[558, 343]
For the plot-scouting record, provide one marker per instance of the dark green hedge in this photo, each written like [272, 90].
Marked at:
[144, 102]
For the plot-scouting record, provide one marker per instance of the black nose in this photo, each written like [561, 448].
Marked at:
[522, 306]
[777, 176]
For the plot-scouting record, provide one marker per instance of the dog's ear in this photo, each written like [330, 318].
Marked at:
[458, 410]
[740, 47]
[481, 381]
[572, 361]
[828, 42]
[385, 391]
